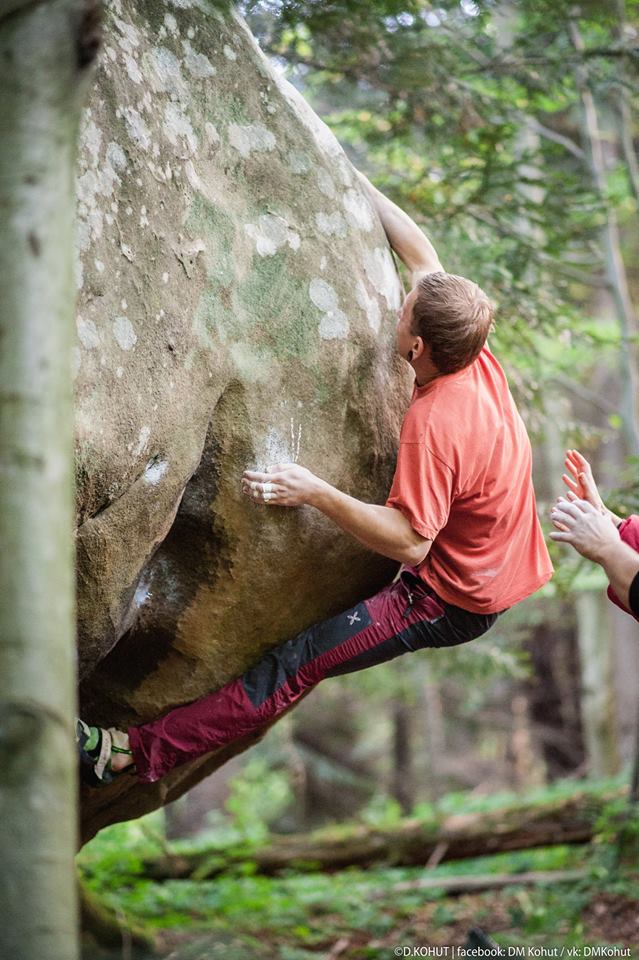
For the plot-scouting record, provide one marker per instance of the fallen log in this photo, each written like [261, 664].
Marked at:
[412, 842]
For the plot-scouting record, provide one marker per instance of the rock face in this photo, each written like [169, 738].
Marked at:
[236, 308]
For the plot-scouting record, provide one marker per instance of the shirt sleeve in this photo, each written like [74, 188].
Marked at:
[629, 533]
[422, 488]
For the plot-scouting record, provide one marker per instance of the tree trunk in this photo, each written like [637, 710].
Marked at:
[44, 52]
[411, 843]
[435, 736]
[615, 266]
[403, 773]
[596, 688]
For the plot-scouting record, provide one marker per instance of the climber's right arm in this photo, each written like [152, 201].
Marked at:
[407, 240]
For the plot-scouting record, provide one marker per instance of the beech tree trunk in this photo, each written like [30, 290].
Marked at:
[596, 688]
[615, 267]
[45, 50]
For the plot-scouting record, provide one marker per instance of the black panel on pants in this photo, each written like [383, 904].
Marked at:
[272, 672]
[455, 627]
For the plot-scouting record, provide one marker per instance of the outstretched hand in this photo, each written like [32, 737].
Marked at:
[580, 481]
[584, 527]
[282, 485]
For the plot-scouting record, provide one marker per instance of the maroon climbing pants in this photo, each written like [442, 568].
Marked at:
[404, 616]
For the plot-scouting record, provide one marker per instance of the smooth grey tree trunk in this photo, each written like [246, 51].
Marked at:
[596, 688]
[45, 50]
[615, 265]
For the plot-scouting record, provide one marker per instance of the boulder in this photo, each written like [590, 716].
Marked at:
[236, 309]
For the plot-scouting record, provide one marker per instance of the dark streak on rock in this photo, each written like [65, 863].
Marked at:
[34, 243]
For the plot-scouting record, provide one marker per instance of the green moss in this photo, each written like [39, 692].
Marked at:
[287, 322]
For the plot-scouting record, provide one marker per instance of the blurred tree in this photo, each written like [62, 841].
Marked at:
[45, 52]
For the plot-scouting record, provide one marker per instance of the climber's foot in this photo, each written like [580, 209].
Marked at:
[103, 753]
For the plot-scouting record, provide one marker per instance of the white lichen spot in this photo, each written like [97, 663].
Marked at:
[165, 278]
[299, 162]
[382, 273]
[76, 361]
[323, 263]
[97, 179]
[129, 35]
[171, 24]
[196, 63]
[124, 333]
[325, 182]
[165, 74]
[369, 305]
[143, 439]
[99, 266]
[132, 69]
[87, 333]
[190, 33]
[229, 52]
[137, 128]
[119, 372]
[177, 124]
[126, 251]
[155, 470]
[78, 270]
[249, 137]
[91, 140]
[344, 171]
[358, 210]
[334, 323]
[270, 233]
[331, 224]
[144, 220]
[212, 135]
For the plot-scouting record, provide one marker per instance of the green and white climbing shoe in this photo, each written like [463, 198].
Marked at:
[96, 746]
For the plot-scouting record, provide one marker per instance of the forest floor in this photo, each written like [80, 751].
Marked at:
[355, 914]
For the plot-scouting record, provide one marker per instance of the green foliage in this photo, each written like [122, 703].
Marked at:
[299, 914]
[259, 794]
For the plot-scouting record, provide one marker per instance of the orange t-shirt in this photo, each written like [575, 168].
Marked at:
[463, 480]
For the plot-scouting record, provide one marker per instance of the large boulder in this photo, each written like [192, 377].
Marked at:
[236, 308]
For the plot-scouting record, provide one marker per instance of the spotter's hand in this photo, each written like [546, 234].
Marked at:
[282, 485]
[580, 524]
[580, 481]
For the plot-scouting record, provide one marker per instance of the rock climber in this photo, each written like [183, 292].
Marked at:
[460, 518]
